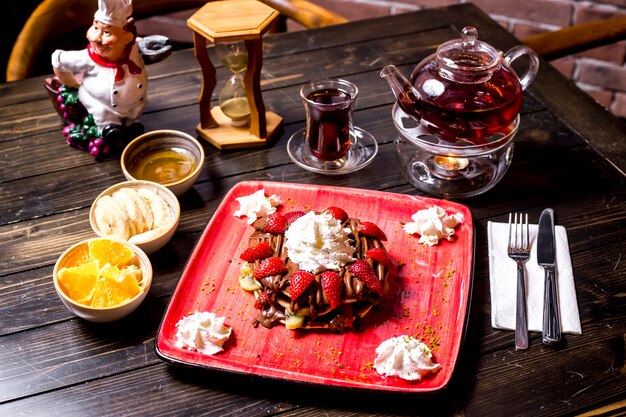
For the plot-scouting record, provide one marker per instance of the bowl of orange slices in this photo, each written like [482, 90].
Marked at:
[102, 279]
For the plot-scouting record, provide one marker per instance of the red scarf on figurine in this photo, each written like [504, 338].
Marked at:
[119, 73]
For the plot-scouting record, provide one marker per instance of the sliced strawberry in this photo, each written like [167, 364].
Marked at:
[299, 282]
[364, 271]
[262, 301]
[381, 255]
[333, 287]
[261, 250]
[269, 266]
[275, 223]
[370, 229]
[292, 216]
[338, 213]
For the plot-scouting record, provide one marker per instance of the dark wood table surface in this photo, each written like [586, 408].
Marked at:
[569, 155]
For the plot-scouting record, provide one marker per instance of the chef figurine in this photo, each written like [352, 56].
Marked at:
[111, 79]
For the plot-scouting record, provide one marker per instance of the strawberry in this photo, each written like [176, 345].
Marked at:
[333, 287]
[381, 255]
[261, 250]
[275, 223]
[262, 301]
[364, 271]
[269, 266]
[299, 282]
[370, 229]
[338, 213]
[292, 216]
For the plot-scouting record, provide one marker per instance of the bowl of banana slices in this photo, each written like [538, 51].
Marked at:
[141, 212]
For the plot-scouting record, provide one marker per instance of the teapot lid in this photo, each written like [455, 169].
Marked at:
[468, 53]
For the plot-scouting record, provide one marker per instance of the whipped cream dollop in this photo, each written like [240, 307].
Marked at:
[405, 357]
[256, 205]
[203, 332]
[317, 242]
[433, 224]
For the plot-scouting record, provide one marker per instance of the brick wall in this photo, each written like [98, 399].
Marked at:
[601, 72]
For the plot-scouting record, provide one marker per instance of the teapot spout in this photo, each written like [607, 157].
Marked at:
[407, 96]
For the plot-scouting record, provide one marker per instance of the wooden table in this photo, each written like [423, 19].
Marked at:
[569, 155]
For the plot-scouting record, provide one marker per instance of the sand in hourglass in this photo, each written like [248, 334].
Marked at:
[237, 108]
[232, 100]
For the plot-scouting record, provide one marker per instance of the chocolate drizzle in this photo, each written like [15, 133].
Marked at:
[269, 317]
[358, 298]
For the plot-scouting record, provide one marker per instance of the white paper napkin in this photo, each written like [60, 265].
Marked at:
[503, 281]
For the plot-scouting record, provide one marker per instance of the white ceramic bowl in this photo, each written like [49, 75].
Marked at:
[108, 314]
[148, 242]
[150, 143]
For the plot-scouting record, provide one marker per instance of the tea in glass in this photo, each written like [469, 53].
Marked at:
[329, 124]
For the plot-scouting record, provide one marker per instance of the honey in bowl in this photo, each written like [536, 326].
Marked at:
[164, 166]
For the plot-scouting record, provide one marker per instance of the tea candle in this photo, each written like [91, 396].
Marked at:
[450, 163]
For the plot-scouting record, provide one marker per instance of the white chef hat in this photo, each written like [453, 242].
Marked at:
[114, 12]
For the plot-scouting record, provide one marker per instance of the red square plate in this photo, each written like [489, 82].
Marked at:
[431, 300]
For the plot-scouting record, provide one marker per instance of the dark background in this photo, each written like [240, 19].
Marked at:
[171, 25]
[16, 12]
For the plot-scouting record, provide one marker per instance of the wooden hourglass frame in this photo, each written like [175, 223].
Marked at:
[230, 21]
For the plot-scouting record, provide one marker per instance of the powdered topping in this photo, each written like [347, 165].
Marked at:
[203, 332]
[404, 357]
[433, 224]
[256, 205]
[318, 242]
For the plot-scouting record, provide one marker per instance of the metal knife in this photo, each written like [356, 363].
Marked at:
[546, 258]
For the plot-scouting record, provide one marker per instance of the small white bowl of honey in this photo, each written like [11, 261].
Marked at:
[171, 158]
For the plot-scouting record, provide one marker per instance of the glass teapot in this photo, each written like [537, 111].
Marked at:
[466, 90]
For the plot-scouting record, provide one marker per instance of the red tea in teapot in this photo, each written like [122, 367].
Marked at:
[469, 111]
[466, 90]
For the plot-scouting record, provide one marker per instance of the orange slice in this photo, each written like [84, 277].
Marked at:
[78, 256]
[78, 281]
[109, 251]
[107, 294]
[127, 278]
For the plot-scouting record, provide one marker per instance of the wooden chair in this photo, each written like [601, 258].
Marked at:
[308, 14]
[63, 24]
[578, 38]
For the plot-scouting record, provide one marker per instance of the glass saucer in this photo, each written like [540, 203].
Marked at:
[363, 149]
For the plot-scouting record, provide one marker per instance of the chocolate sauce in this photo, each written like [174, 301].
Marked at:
[269, 317]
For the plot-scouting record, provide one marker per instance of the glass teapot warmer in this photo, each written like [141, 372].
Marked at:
[451, 169]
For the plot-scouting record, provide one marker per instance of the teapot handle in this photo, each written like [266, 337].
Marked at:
[533, 63]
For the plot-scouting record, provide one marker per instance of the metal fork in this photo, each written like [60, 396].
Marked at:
[519, 250]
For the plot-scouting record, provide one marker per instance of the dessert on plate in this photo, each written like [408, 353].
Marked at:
[315, 270]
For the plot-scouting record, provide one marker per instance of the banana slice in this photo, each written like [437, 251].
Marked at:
[161, 213]
[125, 199]
[110, 219]
[146, 236]
[145, 210]
[132, 212]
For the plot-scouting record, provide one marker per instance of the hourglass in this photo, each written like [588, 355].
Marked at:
[236, 28]
[232, 99]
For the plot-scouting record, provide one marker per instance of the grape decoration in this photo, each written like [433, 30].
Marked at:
[81, 131]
